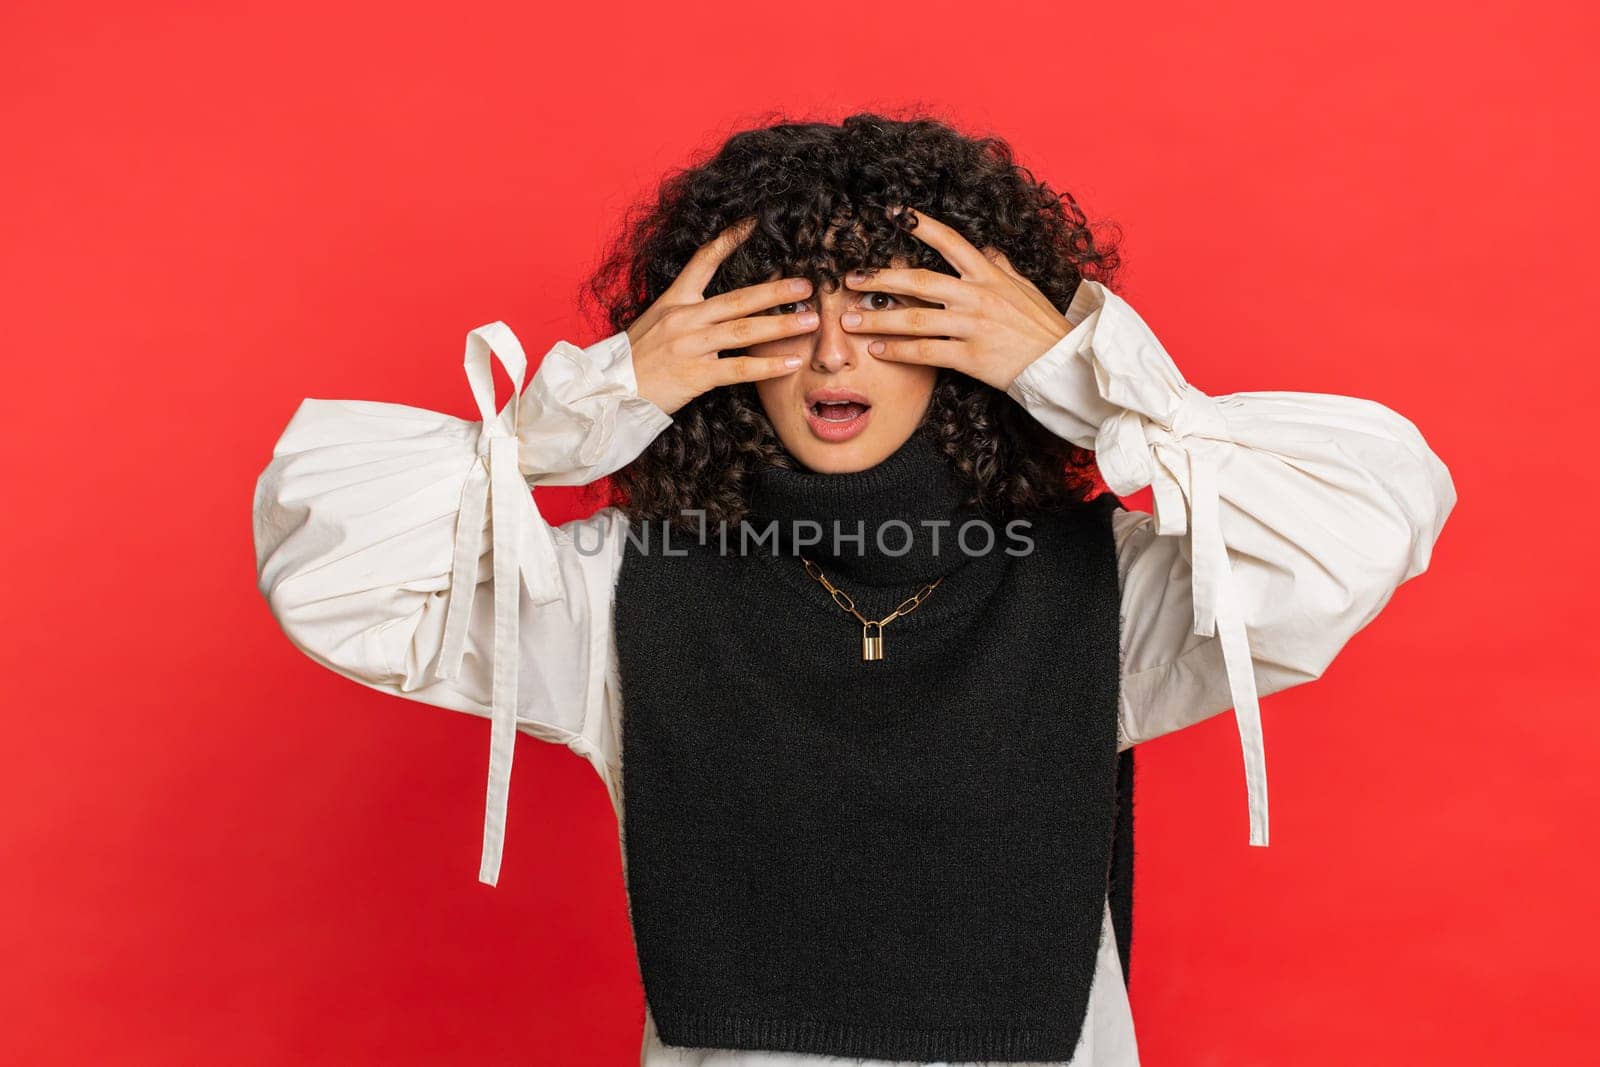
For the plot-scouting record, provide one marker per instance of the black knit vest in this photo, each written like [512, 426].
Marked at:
[900, 859]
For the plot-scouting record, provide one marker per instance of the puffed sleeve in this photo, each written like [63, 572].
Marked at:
[402, 548]
[1283, 522]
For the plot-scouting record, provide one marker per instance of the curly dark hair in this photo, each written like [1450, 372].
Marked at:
[821, 194]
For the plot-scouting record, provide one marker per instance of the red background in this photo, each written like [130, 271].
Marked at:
[215, 851]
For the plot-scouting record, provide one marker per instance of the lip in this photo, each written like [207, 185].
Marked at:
[829, 430]
[834, 393]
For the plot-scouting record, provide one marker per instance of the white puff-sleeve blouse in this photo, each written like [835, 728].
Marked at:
[401, 548]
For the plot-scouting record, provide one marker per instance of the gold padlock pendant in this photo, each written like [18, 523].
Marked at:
[872, 641]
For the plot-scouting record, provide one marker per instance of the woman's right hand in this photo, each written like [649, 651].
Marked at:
[677, 341]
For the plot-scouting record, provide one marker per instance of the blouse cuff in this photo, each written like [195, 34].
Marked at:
[582, 416]
[1109, 385]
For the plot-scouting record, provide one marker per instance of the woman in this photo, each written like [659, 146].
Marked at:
[879, 645]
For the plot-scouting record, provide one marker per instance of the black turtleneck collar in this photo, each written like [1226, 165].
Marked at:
[914, 485]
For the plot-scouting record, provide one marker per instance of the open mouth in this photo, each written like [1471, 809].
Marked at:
[838, 418]
[838, 410]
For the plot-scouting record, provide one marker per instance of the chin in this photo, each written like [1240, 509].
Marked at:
[840, 457]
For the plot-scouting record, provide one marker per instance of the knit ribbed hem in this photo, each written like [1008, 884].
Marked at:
[830, 1037]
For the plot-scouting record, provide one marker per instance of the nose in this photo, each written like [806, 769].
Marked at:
[833, 349]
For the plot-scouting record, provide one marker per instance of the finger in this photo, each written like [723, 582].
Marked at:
[927, 351]
[731, 370]
[929, 285]
[956, 249]
[755, 330]
[915, 322]
[747, 300]
[702, 266]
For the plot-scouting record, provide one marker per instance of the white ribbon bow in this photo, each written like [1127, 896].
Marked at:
[1180, 463]
[522, 545]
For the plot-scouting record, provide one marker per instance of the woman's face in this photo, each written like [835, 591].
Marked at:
[877, 403]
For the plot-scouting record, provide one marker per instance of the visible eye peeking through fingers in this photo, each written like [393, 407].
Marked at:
[874, 301]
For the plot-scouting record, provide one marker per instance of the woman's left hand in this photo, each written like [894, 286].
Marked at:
[994, 321]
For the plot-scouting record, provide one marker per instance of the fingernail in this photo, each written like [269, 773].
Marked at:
[799, 285]
[855, 277]
[876, 348]
[792, 361]
[807, 318]
[850, 318]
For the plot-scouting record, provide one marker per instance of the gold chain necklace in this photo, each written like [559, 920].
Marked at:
[871, 629]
